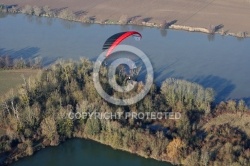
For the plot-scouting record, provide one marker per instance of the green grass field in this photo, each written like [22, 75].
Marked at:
[12, 78]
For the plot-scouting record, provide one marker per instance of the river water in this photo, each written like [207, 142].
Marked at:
[220, 62]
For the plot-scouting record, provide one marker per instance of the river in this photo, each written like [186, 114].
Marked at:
[220, 62]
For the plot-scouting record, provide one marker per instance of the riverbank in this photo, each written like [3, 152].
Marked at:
[195, 16]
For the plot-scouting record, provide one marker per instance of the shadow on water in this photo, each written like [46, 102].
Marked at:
[221, 86]
[125, 28]
[160, 73]
[28, 53]
[39, 20]
[49, 61]
[3, 15]
[137, 28]
[34, 19]
[164, 32]
[49, 21]
[210, 37]
[86, 25]
[68, 24]
[25, 53]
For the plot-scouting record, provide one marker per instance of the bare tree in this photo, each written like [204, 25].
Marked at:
[191, 95]
[49, 128]
[27, 9]
[164, 24]
[37, 63]
[8, 61]
[37, 10]
[47, 11]
[241, 34]
[123, 19]
[211, 29]
[67, 14]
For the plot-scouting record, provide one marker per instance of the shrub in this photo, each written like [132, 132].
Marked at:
[191, 95]
[37, 10]
[67, 14]
[27, 10]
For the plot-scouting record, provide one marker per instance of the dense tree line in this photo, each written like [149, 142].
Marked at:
[7, 62]
[184, 95]
[37, 116]
[47, 12]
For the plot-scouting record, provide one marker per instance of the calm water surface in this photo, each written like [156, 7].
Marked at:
[213, 61]
[78, 152]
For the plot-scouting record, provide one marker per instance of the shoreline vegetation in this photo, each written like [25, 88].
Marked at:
[206, 134]
[67, 14]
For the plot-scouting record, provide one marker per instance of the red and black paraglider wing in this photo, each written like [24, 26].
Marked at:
[116, 39]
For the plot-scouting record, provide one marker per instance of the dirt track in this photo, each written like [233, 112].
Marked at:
[233, 14]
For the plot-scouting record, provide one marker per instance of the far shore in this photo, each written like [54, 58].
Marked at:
[230, 16]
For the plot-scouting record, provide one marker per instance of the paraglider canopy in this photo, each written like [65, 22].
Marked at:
[116, 39]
